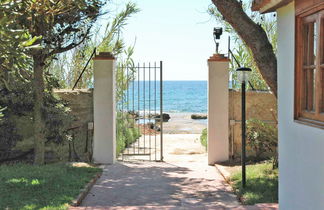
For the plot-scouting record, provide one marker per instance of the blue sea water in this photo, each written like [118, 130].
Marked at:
[178, 96]
[185, 96]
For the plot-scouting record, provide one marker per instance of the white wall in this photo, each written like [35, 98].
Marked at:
[301, 148]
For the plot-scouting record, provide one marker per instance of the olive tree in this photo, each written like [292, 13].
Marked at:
[254, 37]
[242, 53]
[70, 64]
[56, 27]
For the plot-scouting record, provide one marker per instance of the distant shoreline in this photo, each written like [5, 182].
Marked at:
[178, 96]
[181, 123]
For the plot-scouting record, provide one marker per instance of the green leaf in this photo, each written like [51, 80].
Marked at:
[31, 41]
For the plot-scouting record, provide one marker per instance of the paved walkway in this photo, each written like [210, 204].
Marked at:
[183, 181]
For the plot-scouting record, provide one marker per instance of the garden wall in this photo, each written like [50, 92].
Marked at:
[81, 104]
[261, 105]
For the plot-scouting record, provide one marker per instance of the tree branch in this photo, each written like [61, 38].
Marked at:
[70, 46]
[254, 37]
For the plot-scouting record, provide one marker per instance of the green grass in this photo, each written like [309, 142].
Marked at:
[203, 138]
[261, 184]
[42, 187]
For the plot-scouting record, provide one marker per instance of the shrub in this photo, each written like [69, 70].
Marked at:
[203, 138]
[127, 132]
[16, 124]
[262, 138]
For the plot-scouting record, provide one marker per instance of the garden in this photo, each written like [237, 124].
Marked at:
[262, 165]
[45, 46]
[51, 186]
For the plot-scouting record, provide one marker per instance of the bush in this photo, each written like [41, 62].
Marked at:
[203, 138]
[127, 132]
[16, 124]
[262, 138]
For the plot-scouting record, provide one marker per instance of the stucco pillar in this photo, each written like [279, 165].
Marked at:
[218, 106]
[104, 144]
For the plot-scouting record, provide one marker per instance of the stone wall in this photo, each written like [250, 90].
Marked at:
[261, 105]
[81, 104]
[258, 105]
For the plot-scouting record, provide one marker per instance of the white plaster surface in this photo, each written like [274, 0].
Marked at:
[218, 123]
[301, 147]
[104, 146]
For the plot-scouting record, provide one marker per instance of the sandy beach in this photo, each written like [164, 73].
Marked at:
[181, 123]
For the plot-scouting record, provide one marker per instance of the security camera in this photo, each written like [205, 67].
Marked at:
[218, 31]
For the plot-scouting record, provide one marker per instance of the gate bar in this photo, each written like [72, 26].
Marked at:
[161, 109]
[122, 100]
[155, 107]
[129, 154]
[150, 108]
[138, 100]
[133, 101]
[144, 91]
[127, 104]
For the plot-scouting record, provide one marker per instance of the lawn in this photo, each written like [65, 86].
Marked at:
[261, 184]
[42, 187]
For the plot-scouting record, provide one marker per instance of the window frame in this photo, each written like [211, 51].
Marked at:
[316, 117]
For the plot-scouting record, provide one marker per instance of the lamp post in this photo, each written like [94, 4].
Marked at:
[243, 76]
[218, 31]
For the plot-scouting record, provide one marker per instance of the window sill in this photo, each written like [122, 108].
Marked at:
[311, 123]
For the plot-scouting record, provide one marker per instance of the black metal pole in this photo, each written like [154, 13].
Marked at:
[243, 136]
[85, 67]
[161, 108]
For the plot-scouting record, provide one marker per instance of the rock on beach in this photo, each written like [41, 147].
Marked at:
[165, 117]
[199, 116]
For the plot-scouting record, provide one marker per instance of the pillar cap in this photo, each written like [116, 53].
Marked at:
[104, 56]
[218, 58]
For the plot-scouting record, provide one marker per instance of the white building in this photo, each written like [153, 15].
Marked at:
[301, 101]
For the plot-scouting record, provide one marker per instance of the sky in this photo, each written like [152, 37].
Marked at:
[177, 32]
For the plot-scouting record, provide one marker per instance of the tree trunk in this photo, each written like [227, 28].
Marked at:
[254, 37]
[39, 127]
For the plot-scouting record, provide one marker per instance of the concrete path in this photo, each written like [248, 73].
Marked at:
[183, 181]
[157, 184]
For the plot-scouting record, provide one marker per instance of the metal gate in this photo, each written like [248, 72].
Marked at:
[140, 112]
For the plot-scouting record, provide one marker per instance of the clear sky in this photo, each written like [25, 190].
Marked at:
[178, 32]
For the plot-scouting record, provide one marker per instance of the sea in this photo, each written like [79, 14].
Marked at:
[185, 96]
[178, 97]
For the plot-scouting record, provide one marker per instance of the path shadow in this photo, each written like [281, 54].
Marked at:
[154, 184]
